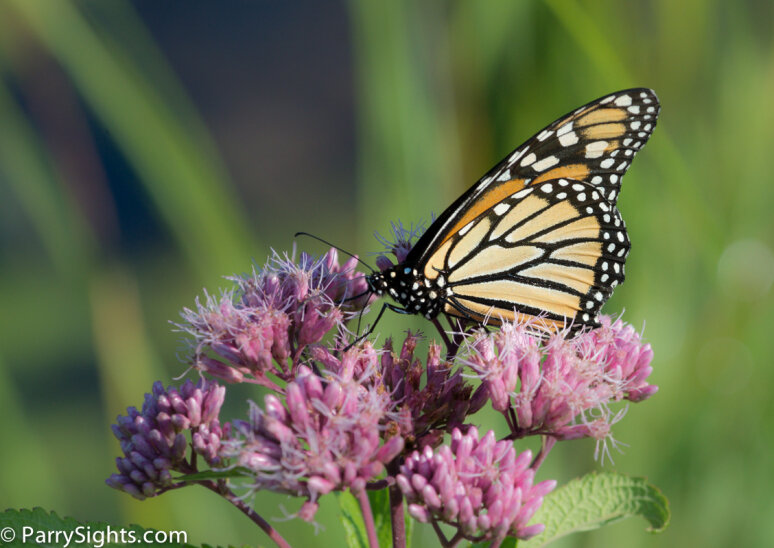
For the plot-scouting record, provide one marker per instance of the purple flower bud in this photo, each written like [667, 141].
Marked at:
[478, 485]
[308, 510]
[383, 263]
[154, 442]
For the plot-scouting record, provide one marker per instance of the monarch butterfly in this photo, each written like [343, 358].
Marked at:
[537, 236]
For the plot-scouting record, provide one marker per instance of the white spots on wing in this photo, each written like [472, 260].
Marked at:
[586, 317]
[598, 295]
[595, 149]
[520, 194]
[651, 109]
[636, 125]
[617, 268]
[582, 197]
[595, 195]
[604, 265]
[506, 175]
[626, 142]
[623, 101]
[528, 159]
[606, 163]
[620, 237]
[623, 252]
[578, 187]
[614, 178]
[545, 163]
[634, 109]
[604, 207]
[596, 179]
[589, 209]
[604, 277]
[628, 152]
[464, 229]
[518, 154]
[563, 182]
[500, 209]
[545, 134]
[611, 248]
[606, 218]
[589, 304]
[566, 128]
[561, 196]
[607, 100]
[623, 165]
[647, 127]
[569, 138]
[614, 283]
[547, 188]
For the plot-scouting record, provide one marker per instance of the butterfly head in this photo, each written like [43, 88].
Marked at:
[411, 289]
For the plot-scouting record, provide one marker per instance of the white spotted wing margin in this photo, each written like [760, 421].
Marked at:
[556, 250]
[594, 144]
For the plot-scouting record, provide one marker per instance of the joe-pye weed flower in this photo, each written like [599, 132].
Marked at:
[347, 417]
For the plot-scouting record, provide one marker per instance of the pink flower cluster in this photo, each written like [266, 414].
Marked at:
[264, 325]
[481, 486]
[427, 409]
[351, 419]
[549, 386]
[154, 442]
[326, 436]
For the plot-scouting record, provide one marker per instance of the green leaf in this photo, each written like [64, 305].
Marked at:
[598, 499]
[380, 508]
[37, 527]
[352, 519]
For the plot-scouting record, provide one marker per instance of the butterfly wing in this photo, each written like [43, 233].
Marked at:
[554, 250]
[594, 144]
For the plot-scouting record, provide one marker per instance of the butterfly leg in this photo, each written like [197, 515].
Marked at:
[370, 329]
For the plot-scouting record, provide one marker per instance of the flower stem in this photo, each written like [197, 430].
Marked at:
[548, 444]
[441, 537]
[368, 517]
[396, 509]
[249, 512]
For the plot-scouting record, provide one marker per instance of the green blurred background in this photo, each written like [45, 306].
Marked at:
[149, 148]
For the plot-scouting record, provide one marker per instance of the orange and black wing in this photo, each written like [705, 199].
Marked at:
[539, 234]
[554, 250]
[594, 144]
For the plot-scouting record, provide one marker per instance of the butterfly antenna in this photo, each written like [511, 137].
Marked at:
[297, 234]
